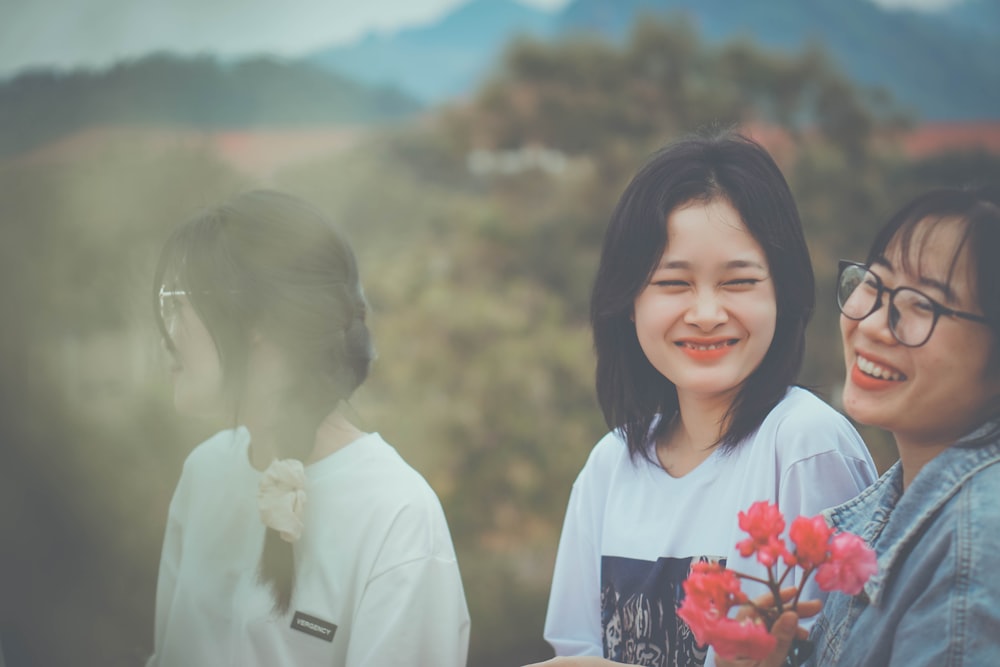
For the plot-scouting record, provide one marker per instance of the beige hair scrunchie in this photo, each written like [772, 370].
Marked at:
[281, 498]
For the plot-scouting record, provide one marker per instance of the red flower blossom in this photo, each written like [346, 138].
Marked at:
[764, 523]
[811, 538]
[851, 564]
[710, 591]
[841, 562]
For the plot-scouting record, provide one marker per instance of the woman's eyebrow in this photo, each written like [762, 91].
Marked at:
[943, 287]
[732, 264]
[925, 281]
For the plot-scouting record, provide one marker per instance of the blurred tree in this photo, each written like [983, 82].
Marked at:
[87, 467]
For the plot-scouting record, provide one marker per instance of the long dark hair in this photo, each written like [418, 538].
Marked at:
[730, 167]
[270, 262]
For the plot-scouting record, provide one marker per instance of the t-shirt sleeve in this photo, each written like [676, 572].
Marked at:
[573, 622]
[413, 608]
[413, 614]
[829, 465]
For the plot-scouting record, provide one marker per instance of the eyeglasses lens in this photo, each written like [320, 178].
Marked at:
[911, 314]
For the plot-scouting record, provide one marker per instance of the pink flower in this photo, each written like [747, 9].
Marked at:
[811, 538]
[746, 638]
[851, 564]
[764, 523]
[701, 619]
[841, 562]
[710, 591]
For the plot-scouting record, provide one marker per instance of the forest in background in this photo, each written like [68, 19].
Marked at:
[479, 282]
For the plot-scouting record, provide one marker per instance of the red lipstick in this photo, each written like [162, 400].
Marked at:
[868, 382]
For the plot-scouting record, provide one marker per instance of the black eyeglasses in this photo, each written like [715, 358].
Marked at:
[912, 314]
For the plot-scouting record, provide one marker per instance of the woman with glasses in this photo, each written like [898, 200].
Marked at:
[699, 313]
[294, 538]
[921, 327]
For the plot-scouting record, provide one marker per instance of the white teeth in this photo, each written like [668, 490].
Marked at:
[869, 367]
[714, 346]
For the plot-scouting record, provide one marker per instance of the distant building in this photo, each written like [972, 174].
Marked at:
[483, 162]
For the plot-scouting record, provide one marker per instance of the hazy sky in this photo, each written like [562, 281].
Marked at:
[70, 33]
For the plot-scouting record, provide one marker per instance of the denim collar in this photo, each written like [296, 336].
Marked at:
[884, 510]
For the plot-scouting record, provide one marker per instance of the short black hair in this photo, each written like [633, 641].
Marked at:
[730, 167]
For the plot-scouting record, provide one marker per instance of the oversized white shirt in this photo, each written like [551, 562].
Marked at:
[631, 530]
[377, 581]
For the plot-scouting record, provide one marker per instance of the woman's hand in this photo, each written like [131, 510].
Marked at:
[785, 629]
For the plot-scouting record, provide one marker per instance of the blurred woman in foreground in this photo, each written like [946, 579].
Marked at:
[296, 538]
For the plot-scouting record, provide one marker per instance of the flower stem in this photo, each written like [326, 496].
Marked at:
[805, 578]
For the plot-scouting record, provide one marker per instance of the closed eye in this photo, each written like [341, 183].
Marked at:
[742, 282]
[670, 283]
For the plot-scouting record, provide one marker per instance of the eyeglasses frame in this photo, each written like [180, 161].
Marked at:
[936, 308]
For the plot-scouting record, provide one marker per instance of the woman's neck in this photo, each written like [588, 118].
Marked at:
[693, 435]
[333, 433]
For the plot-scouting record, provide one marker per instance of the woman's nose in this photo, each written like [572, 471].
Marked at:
[876, 325]
[706, 311]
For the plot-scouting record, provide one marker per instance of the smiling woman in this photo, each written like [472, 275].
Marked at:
[903, 373]
[699, 312]
[707, 317]
[921, 332]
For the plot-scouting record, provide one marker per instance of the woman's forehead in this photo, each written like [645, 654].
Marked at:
[935, 249]
[928, 244]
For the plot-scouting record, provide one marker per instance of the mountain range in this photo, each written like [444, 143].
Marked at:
[169, 91]
[939, 65]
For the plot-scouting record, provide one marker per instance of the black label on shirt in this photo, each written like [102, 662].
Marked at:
[313, 626]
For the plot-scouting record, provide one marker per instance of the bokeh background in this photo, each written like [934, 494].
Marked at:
[473, 153]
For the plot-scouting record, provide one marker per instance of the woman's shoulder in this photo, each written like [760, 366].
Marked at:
[983, 487]
[804, 425]
[800, 409]
[609, 465]
[969, 516]
[611, 449]
[377, 496]
[606, 456]
[802, 405]
[373, 468]
[219, 449]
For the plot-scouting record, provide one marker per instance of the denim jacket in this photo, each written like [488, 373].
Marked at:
[935, 599]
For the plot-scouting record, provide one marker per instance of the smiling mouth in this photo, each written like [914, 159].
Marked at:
[871, 369]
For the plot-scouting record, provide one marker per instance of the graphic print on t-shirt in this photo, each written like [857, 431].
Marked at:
[639, 602]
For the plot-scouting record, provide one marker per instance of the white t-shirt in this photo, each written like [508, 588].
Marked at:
[377, 582]
[631, 530]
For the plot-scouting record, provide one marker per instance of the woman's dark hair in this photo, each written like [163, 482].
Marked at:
[978, 210]
[271, 263]
[728, 167]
